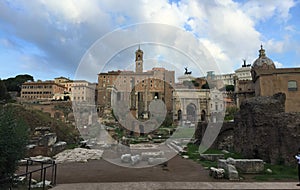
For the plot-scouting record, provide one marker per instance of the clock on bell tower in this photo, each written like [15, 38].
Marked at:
[139, 60]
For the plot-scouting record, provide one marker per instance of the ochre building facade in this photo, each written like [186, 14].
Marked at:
[268, 80]
[138, 88]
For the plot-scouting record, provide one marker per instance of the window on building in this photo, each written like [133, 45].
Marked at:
[140, 96]
[292, 85]
[216, 104]
[118, 96]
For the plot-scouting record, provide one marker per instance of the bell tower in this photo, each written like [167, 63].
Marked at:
[139, 61]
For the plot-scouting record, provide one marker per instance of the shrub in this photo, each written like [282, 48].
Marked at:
[13, 140]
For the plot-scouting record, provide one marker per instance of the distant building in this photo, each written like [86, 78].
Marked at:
[76, 90]
[244, 73]
[244, 87]
[139, 88]
[192, 104]
[83, 93]
[61, 79]
[268, 80]
[41, 90]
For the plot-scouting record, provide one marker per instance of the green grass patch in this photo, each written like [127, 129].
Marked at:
[193, 153]
[194, 150]
[183, 132]
[207, 163]
[72, 146]
[279, 172]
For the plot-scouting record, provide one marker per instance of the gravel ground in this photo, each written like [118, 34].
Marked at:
[178, 169]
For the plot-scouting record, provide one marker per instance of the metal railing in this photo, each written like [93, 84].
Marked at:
[10, 182]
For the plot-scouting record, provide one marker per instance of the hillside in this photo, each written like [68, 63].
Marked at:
[35, 118]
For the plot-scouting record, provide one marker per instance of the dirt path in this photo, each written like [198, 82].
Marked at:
[178, 169]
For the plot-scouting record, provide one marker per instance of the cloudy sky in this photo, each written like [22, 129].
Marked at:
[52, 38]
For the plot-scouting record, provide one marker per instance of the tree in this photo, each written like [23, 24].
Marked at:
[14, 84]
[13, 140]
[229, 88]
[3, 91]
[230, 112]
[205, 86]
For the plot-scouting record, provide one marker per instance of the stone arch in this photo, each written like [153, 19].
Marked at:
[191, 112]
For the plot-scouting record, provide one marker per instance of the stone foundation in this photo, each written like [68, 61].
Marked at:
[245, 166]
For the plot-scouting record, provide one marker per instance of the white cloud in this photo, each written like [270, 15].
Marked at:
[278, 65]
[275, 46]
[263, 10]
[64, 30]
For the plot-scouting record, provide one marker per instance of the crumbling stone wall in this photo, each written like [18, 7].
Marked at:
[263, 130]
[224, 139]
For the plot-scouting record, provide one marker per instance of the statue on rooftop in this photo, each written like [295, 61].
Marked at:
[187, 72]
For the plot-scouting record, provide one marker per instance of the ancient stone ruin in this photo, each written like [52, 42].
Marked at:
[264, 131]
[44, 142]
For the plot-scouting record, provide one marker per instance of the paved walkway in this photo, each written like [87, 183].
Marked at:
[177, 185]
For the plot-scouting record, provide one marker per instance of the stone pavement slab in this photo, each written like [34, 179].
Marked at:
[177, 185]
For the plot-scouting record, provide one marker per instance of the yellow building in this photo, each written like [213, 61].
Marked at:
[41, 90]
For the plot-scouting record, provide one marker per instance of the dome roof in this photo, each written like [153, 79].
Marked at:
[263, 61]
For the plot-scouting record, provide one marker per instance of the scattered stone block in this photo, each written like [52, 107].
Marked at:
[135, 159]
[40, 184]
[269, 171]
[147, 155]
[230, 161]
[158, 140]
[211, 157]
[244, 165]
[43, 159]
[126, 158]
[233, 174]
[78, 155]
[225, 152]
[229, 168]
[222, 163]
[156, 161]
[217, 173]
[249, 166]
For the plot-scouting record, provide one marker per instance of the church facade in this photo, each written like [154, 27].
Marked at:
[268, 80]
[138, 88]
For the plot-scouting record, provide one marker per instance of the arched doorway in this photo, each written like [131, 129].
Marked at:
[179, 115]
[191, 112]
[203, 115]
[141, 128]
